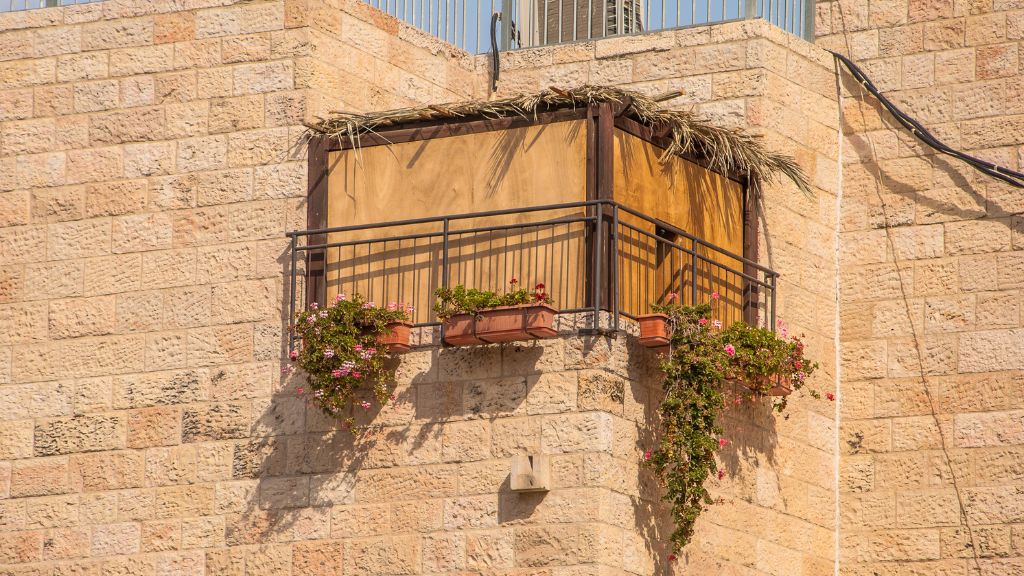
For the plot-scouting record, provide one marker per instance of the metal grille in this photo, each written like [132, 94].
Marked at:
[16, 5]
[591, 256]
[530, 23]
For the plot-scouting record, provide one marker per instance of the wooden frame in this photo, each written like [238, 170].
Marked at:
[601, 121]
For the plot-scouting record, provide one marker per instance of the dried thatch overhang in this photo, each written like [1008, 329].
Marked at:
[539, 161]
[725, 150]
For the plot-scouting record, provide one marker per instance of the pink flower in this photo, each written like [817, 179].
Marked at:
[717, 323]
[830, 396]
[367, 305]
[647, 454]
[730, 350]
[300, 390]
[722, 442]
[798, 365]
[392, 306]
[339, 297]
[323, 313]
[293, 354]
[702, 321]
[287, 370]
[410, 309]
[359, 348]
[310, 320]
[337, 373]
[314, 306]
[672, 295]
[357, 373]
[721, 474]
[365, 405]
[714, 295]
[328, 353]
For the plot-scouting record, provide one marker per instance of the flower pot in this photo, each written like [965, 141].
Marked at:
[502, 324]
[539, 318]
[655, 331]
[396, 337]
[459, 330]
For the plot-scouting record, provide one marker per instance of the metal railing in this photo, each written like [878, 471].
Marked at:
[530, 23]
[16, 5]
[591, 256]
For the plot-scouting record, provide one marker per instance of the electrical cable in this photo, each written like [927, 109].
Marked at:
[1011, 177]
[496, 65]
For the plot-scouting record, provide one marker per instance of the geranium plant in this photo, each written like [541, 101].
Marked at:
[702, 354]
[460, 300]
[341, 351]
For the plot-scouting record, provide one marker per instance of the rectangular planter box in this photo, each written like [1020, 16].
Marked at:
[503, 324]
[655, 331]
[779, 386]
[459, 330]
[539, 320]
[396, 338]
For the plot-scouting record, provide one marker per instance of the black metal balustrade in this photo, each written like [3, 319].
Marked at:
[634, 261]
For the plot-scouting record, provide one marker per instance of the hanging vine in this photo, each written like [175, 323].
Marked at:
[703, 353]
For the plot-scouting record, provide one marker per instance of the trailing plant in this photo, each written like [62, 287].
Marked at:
[340, 352]
[702, 354]
[460, 300]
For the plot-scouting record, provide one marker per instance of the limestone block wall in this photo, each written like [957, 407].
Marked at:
[932, 267]
[779, 509]
[151, 160]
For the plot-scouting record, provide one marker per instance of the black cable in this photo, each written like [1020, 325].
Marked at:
[496, 65]
[1011, 177]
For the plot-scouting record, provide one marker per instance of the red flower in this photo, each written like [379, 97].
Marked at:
[513, 281]
[830, 396]
[538, 287]
[671, 557]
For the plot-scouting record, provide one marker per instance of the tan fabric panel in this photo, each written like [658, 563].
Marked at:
[689, 197]
[498, 170]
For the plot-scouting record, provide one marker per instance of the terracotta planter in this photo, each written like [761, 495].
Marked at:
[396, 336]
[655, 331]
[459, 330]
[503, 324]
[539, 318]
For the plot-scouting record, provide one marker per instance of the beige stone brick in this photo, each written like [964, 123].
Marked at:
[988, 429]
[139, 91]
[174, 88]
[77, 317]
[15, 105]
[950, 314]
[92, 395]
[102, 356]
[115, 198]
[197, 54]
[215, 422]
[134, 125]
[143, 60]
[208, 153]
[18, 547]
[142, 160]
[154, 427]
[81, 434]
[16, 441]
[66, 543]
[174, 27]
[171, 466]
[28, 137]
[79, 239]
[166, 350]
[977, 237]
[39, 477]
[58, 204]
[41, 170]
[117, 34]
[107, 471]
[161, 535]
[14, 208]
[111, 274]
[139, 233]
[111, 539]
[997, 61]
[53, 100]
[220, 345]
[94, 165]
[186, 120]
[168, 268]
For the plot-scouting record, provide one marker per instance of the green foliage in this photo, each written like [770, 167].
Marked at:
[341, 351]
[459, 300]
[702, 355]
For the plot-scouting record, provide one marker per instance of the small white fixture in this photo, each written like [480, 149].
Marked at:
[530, 473]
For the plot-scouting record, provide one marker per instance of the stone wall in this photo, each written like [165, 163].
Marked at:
[779, 509]
[932, 266]
[151, 159]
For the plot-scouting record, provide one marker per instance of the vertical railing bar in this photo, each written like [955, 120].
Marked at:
[615, 266]
[596, 285]
[545, 18]
[590, 19]
[575, 19]
[604, 18]
[291, 308]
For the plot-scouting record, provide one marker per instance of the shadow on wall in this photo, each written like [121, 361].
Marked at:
[439, 455]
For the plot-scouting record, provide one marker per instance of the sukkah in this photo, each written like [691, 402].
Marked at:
[723, 149]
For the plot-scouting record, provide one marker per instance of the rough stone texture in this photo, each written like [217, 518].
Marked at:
[943, 302]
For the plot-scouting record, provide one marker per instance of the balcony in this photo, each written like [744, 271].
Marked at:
[592, 256]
